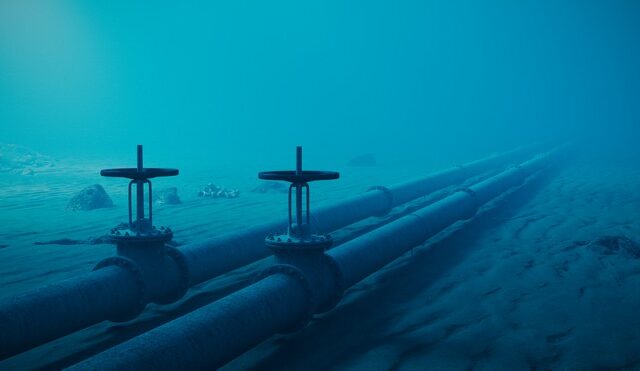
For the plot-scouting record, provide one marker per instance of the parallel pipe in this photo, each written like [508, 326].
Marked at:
[201, 262]
[214, 334]
[258, 307]
[361, 257]
[225, 253]
[67, 306]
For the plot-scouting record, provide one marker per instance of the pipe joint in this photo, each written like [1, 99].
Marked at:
[182, 284]
[427, 228]
[476, 201]
[335, 293]
[320, 270]
[389, 196]
[163, 270]
[131, 267]
[300, 278]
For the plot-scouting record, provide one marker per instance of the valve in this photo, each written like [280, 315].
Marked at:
[300, 253]
[141, 230]
[299, 235]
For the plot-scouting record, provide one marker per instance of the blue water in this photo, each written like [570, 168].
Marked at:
[243, 78]
[223, 90]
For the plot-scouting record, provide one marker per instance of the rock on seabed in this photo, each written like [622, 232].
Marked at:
[90, 198]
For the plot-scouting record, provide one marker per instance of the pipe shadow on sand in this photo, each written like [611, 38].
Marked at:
[370, 306]
[350, 328]
[226, 284]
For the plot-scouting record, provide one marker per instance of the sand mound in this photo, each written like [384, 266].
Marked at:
[22, 160]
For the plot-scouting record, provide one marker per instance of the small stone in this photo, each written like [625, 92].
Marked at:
[90, 198]
[214, 191]
[167, 196]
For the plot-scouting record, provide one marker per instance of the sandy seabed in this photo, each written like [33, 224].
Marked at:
[546, 277]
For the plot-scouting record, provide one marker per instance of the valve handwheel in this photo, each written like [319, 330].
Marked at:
[299, 234]
[142, 228]
[295, 177]
[135, 174]
[140, 172]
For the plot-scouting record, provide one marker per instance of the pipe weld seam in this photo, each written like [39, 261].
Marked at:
[424, 222]
[474, 197]
[298, 275]
[388, 194]
[131, 267]
[338, 289]
[183, 285]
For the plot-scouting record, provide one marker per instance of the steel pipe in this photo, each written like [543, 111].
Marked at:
[173, 346]
[225, 253]
[193, 264]
[361, 257]
[40, 315]
[187, 344]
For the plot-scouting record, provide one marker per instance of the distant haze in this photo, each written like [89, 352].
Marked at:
[243, 82]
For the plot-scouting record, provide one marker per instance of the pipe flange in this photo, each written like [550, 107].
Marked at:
[299, 276]
[428, 230]
[338, 290]
[474, 196]
[183, 284]
[387, 192]
[131, 267]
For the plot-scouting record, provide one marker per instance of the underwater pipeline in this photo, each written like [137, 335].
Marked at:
[120, 287]
[304, 281]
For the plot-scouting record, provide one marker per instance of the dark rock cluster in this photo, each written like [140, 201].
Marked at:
[609, 245]
[167, 196]
[90, 198]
